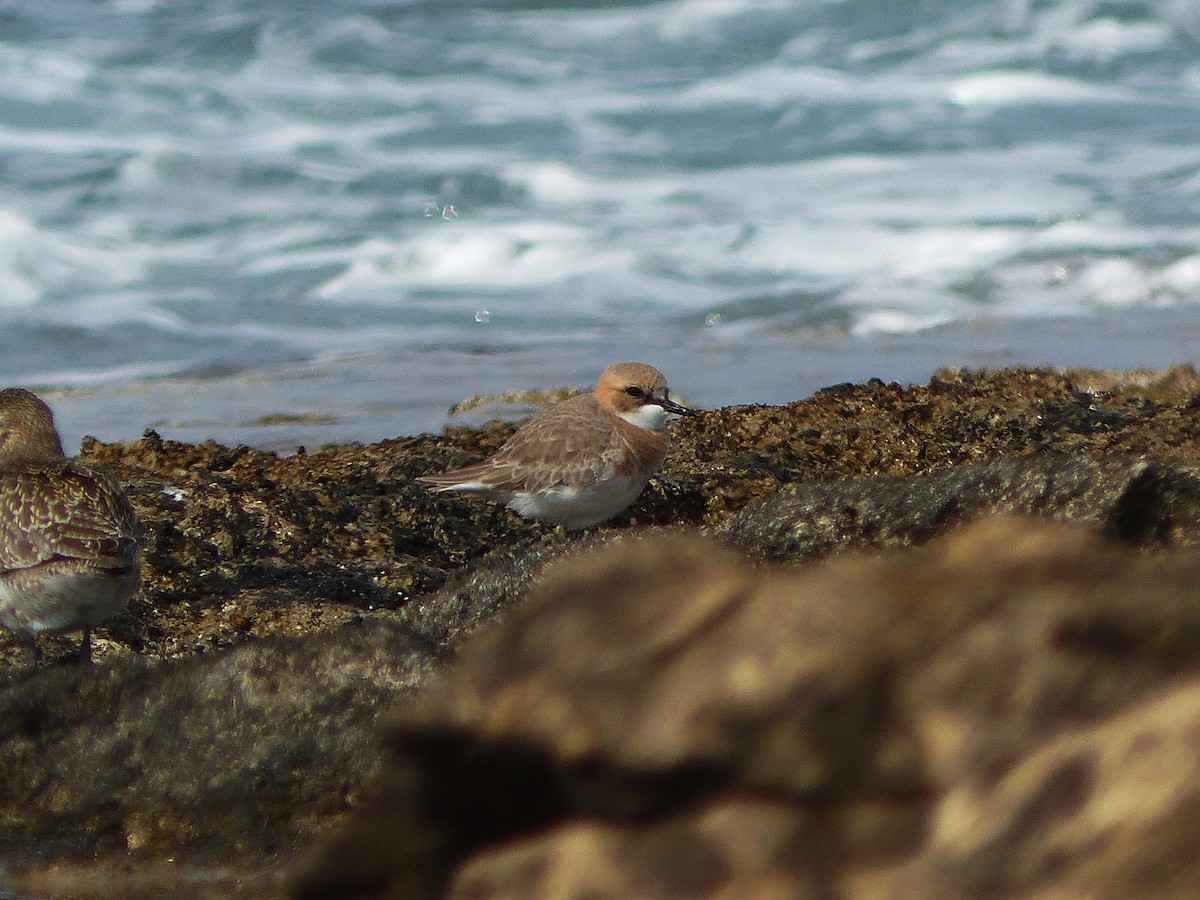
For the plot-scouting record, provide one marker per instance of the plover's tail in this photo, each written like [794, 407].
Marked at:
[479, 479]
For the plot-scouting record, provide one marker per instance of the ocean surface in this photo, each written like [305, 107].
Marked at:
[280, 222]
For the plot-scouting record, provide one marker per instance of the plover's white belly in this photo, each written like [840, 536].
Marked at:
[579, 506]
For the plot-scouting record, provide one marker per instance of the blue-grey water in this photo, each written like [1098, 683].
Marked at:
[283, 222]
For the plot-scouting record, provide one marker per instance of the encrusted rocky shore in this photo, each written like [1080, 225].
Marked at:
[937, 641]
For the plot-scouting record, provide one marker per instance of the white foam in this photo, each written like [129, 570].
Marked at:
[897, 321]
[41, 75]
[1106, 39]
[769, 85]
[1016, 87]
[92, 377]
[515, 254]
[36, 261]
[1181, 278]
[552, 183]
[639, 165]
[16, 287]
[1113, 282]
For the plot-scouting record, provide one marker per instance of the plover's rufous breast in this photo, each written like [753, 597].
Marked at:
[583, 460]
[69, 553]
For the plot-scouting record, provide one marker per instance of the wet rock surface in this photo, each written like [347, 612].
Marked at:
[1138, 500]
[1009, 710]
[290, 606]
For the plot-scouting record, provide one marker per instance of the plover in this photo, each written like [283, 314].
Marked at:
[69, 554]
[583, 460]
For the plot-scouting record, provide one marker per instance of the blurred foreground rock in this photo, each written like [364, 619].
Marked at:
[892, 726]
[1010, 711]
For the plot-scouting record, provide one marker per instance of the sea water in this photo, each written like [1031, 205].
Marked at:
[282, 223]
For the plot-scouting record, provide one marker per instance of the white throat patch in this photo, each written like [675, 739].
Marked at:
[650, 416]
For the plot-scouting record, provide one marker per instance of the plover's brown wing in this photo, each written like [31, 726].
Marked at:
[71, 512]
[561, 447]
[571, 445]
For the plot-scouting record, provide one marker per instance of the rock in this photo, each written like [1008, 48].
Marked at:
[662, 719]
[291, 604]
[494, 582]
[1142, 501]
[1108, 810]
[230, 756]
[243, 543]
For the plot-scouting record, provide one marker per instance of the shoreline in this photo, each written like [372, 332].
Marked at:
[293, 606]
[388, 391]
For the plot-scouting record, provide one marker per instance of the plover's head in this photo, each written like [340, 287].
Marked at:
[27, 432]
[638, 394]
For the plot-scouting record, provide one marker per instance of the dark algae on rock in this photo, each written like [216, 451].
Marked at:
[797, 665]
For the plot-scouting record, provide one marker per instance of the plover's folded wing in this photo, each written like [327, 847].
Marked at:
[559, 447]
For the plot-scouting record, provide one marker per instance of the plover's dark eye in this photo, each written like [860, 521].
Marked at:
[634, 391]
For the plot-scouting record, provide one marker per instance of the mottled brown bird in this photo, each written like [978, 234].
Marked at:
[583, 460]
[69, 553]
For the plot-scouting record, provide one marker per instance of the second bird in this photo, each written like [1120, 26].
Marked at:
[69, 555]
[583, 460]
